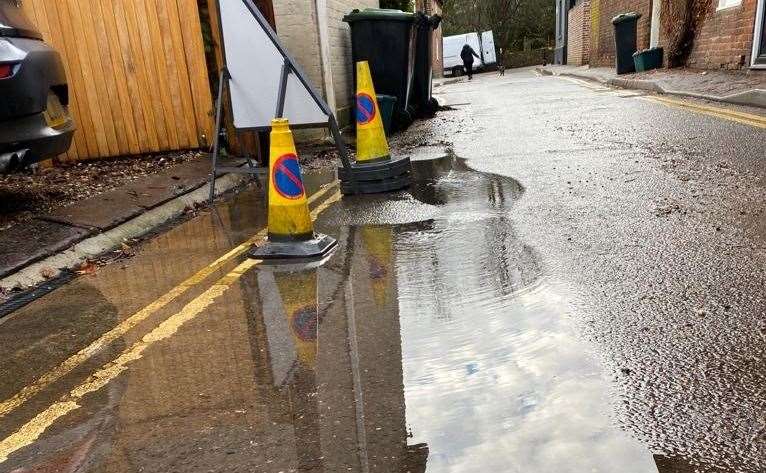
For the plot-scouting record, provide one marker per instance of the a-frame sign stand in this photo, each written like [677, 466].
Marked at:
[288, 67]
[223, 82]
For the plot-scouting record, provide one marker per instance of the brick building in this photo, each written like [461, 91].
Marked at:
[602, 49]
[578, 34]
[729, 35]
[726, 36]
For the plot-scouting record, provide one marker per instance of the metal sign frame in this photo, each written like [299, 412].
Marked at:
[289, 67]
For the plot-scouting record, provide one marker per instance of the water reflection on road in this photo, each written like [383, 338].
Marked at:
[430, 341]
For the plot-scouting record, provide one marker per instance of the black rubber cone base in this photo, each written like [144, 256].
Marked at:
[294, 251]
[377, 177]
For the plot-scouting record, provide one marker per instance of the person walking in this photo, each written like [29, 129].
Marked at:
[467, 55]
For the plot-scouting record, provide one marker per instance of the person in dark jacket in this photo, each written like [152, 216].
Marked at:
[467, 55]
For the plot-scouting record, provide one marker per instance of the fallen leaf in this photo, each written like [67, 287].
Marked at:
[86, 267]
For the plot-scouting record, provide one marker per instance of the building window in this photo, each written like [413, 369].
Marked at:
[722, 4]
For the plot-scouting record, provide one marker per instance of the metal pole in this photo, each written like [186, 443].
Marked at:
[342, 151]
[286, 68]
[222, 80]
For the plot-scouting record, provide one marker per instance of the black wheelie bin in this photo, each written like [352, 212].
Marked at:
[423, 83]
[625, 31]
[384, 38]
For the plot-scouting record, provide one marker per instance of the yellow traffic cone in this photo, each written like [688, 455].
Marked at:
[290, 229]
[374, 171]
[289, 216]
[371, 143]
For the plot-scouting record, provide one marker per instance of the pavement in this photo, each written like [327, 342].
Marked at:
[25, 247]
[735, 87]
[573, 282]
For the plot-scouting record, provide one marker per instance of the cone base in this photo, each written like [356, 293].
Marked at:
[294, 251]
[376, 187]
[376, 178]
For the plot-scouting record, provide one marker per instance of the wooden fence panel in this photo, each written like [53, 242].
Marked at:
[137, 75]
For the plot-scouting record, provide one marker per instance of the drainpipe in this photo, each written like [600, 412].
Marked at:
[320, 7]
[654, 39]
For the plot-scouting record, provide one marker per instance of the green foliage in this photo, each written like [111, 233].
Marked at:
[515, 23]
[404, 5]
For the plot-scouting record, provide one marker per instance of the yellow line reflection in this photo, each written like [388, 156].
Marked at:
[126, 325]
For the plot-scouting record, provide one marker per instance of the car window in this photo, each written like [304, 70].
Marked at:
[13, 21]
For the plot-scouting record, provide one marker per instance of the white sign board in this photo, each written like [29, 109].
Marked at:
[254, 58]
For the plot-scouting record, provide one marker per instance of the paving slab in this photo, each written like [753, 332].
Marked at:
[106, 211]
[157, 189]
[22, 245]
[100, 212]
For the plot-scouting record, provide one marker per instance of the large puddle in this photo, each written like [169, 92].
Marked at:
[429, 342]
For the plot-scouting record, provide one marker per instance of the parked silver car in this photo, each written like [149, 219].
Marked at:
[35, 123]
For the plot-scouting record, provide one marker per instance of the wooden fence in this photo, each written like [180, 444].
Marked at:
[137, 75]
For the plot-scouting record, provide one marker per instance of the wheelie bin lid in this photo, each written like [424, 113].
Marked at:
[625, 17]
[379, 14]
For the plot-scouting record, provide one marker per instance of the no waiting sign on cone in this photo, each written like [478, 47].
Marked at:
[374, 171]
[291, 231]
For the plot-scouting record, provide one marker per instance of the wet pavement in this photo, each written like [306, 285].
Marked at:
[574, 282]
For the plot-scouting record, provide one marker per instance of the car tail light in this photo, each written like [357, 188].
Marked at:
[7, 70]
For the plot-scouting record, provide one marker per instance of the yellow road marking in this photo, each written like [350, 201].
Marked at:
[758, 121]
[128, 324]
[584, 83]
[32, 430]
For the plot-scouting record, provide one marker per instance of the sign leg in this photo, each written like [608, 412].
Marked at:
[342, 150]
[223, 79]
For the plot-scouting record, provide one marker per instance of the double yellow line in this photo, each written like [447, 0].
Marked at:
[757, 121]
[32, 430]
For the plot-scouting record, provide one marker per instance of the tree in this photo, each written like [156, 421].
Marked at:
[512, 21]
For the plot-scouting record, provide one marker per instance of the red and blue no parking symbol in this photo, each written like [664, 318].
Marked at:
[365, 108]
[305, 321]
[287, 177]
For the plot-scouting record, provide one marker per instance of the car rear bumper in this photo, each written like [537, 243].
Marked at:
[32, 133]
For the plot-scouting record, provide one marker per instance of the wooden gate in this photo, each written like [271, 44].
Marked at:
[138, 81]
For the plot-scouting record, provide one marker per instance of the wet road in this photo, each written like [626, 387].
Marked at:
[577, 285]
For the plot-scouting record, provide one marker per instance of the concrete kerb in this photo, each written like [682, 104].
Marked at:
[750, 98]
[31, 276]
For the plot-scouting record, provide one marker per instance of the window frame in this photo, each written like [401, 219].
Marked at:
[726, 4]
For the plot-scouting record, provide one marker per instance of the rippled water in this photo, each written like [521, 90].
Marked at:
[430, 341]
[494, 377]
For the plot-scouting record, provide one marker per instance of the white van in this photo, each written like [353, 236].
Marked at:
[484, 47]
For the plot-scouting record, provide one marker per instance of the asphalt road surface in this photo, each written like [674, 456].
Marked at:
[574, 282]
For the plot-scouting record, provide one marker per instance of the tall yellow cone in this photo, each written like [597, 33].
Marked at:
[289, 217]
[371, 143]
[291, 231]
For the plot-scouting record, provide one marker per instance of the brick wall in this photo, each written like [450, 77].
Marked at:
[578, 37]
[297, 29]
[602, 47]
[340, 52]
[434, 7]
[437, 50]
[724, 37]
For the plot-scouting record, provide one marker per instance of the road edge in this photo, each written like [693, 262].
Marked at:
[749, 98]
